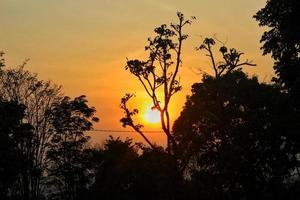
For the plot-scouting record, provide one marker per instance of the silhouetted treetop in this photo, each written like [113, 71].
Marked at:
[68, 167]
[159, 73]
[231, 58]
[282, 40]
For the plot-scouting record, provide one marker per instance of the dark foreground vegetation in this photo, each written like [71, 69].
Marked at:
[236, 138]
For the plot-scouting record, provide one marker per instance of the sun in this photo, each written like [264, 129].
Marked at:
[152, 116]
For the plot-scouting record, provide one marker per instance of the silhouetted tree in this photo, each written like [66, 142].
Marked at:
[130, 171]
[156, 175]
[230, 58]
[68, 168]
[113, 169]
[37, 96]
[58, 126]
[282, 40]
[16, 163]
[236, 135]
[159, 73]
[230, 61]
[128, 119]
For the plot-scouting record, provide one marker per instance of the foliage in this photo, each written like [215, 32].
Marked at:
[231, 58]
[21, 86]
[113, 172]
[68, 170]
[54, 125]
[37, 96]
[125, 171]
[127, 120]
[159, 73]
[282, 40]
[238, 135]
[158, 170]
[15, 162]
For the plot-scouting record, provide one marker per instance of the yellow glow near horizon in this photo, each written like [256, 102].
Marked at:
[152, 116]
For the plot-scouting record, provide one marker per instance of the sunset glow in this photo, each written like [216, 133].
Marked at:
[149, 99]
[83, 47]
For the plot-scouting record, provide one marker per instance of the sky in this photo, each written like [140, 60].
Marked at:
[83, 45]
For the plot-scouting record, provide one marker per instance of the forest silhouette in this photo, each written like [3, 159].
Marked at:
[235, 138]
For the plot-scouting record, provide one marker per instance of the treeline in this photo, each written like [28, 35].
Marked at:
[236, 138]
[42, 137]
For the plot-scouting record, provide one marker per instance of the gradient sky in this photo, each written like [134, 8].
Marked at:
[83, 45]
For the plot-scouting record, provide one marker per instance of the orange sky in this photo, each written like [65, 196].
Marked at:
[83, 44]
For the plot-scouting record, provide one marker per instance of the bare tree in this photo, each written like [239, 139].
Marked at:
[159, 75]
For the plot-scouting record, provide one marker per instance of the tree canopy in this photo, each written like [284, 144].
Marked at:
[282, 40]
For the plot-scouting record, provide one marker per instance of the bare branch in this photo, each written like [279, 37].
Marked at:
[128, 121]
